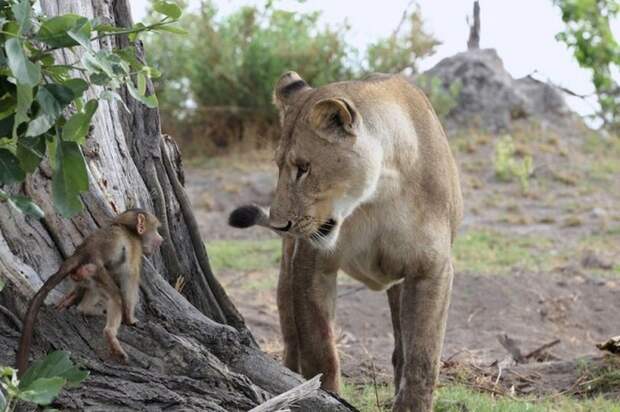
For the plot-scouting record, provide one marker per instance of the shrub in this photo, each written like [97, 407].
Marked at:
[443, 98]
[401, 51]
[507, 167]
[233, 61]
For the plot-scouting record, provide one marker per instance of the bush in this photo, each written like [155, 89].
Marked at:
[233, 62]
[216, 89]
[404, 48]
[443, 99]
[507, 167]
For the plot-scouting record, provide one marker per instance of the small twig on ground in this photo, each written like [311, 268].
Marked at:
[537, 351]
[499, 374]
[474, 313]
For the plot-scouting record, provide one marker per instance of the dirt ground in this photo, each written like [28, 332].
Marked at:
[537, 263]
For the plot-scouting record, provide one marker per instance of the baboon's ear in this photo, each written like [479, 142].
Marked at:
[287, 87]
[140, 223]
[334, 118]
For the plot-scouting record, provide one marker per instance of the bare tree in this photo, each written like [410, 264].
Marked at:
[191, 351]
[474, 29]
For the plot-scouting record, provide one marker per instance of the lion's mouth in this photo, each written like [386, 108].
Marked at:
[325, 229]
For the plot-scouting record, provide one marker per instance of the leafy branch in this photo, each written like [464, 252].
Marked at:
[44, 110]
[588, 33]
[41, 383]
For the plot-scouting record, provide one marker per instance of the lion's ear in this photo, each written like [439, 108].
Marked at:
[287, 87]
[334, 118]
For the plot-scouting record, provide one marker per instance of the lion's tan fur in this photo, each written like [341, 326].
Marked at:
[380, 166]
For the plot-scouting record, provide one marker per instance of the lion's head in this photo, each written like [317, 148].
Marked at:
[328, 161]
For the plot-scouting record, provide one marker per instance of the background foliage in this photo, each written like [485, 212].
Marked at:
[227, 65]
[589, 35]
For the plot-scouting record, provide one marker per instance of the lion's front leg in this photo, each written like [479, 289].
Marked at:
[286, 307]
[423, 315]
[314, 307]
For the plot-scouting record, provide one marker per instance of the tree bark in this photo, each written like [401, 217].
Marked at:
[473, 43]
[190, 351]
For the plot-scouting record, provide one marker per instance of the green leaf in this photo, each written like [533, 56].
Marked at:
[58, 72]
[39, 125]
[167, 8]
[77, 126]
[129, 55]
[10, 170]
[55, 31]
[42, 391]
[24, 71]
[52, 99]
[77, 86]
[26, 206]
[172, 29]
[100, 79]
[81, 34]
[7, 105]
[6, 127]
[30, 152]
[55, 364]
[69, 178]
[22, 10]
[152, 72]
[24, 101]
[148, 101]
[141, 83]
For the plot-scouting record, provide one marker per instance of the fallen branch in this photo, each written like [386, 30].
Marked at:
[287, 399]
[542, 348]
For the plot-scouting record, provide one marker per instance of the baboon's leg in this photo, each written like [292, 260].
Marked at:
[88, 305]
[286, 308]
[394, 294]
[114, 313]
[423, 313]
[130, 289]
[315, 304]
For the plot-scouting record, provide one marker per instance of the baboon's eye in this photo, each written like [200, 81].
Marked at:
[302, 169]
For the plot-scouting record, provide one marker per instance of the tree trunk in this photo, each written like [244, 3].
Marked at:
[473, 43]
[190, 351]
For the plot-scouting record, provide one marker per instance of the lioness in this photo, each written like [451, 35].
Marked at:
[367, 184]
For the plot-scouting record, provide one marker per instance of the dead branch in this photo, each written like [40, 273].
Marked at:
[289, 398]
[540, 349]
[473, 43]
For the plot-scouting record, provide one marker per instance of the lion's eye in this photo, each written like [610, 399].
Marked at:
[302, 169]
